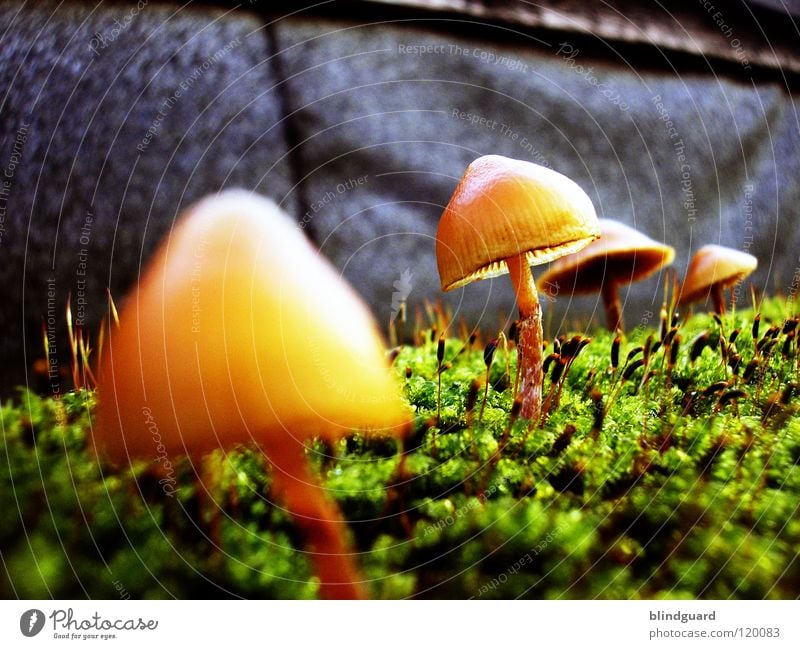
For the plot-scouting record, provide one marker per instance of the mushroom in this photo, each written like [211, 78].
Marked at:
[620, 256]
[712, 269]
[505, 216]
[240, 332]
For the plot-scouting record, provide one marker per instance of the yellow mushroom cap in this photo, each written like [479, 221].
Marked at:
[239, 330]
[502, 208]
[621, 254]
[711, 265]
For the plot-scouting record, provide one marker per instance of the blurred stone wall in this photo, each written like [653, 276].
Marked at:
[116, 116]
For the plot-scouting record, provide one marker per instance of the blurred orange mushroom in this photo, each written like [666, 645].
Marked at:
[712, 269]
[620, 256]
[240, 332]
[505, 216]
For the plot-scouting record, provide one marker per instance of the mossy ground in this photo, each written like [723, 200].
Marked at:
[683, 492]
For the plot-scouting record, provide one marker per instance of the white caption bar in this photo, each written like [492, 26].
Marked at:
[353, 625]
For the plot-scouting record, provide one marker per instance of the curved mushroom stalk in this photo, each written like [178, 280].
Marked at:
[320, 523]
[718, 297]
[613, 306]
[530, 336]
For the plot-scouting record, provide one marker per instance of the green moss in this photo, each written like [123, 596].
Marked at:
[682, 491]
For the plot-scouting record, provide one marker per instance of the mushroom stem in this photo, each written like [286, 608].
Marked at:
[613, 305]
[530, 336]
[719, 298]
[322, 527]
[524, 286]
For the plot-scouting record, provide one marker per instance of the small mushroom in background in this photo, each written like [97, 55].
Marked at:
[620, 256]
[240, 332]
[712, 269]
[505, 216]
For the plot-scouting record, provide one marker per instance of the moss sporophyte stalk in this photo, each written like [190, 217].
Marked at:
[664, 468]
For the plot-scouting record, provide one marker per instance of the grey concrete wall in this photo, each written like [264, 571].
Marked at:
[689, 159]
[111, 120]
[361, 132]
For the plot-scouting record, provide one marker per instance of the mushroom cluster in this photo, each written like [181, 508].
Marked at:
[506, 215]
[239, 332]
